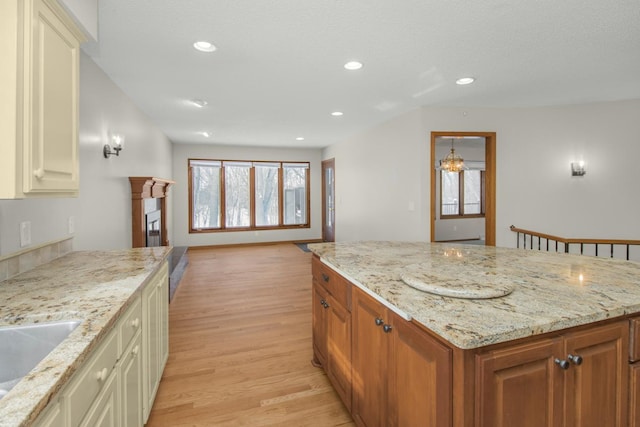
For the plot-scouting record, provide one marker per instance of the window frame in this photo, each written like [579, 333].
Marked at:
[252, 201]
[461, 213]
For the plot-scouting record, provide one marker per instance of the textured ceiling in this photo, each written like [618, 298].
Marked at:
[278, 71]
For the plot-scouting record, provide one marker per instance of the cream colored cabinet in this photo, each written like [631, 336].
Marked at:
[84, 394]
[104, 411]
[117, 384]
[39, 82]
[155, 336]
[130, 367]
[53, 416]
[130, 375]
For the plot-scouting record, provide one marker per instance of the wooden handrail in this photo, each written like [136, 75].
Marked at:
[567, 240]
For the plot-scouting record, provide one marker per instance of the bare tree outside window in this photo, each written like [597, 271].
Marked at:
[295, 202]
[462, 193]
[205, 186]
[250, 197]
[237, 194]
[267, 194]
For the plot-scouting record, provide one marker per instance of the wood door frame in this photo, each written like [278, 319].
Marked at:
[332, 163]
[490, 182]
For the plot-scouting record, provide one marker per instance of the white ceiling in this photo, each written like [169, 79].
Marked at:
[278, 71]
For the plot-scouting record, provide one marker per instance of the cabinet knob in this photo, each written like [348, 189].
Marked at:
[38, 173]
[562, 363]
[102, 375]
[387, 328]
[379, 321]
[325, 277]
[326, 304]
[577, 360]
[135, 323]
[135, 350]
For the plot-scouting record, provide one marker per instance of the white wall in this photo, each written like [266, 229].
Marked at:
[85, 14]
[380, 177]
[180, 196]
[102, 212]
[534, 188]
[104, 205]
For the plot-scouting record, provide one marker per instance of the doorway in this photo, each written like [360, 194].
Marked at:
[489, 180]
[328, 200]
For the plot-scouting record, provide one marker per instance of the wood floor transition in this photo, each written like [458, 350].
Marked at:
[240, 344]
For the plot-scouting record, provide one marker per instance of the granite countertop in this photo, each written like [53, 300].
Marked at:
[95, 287]
[550, 291]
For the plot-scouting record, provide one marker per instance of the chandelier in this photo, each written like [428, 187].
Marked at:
[453, 162]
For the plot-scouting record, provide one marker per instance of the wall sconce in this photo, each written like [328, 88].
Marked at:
[578, 169]
[117, 141]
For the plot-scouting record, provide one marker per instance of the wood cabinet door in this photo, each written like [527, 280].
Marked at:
[339, 350]
[369, 363]
[319, 325]
[597, 387]
[520, 386]
[420, 378]
[634, 395]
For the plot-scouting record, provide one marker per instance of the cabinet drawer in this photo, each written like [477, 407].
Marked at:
[88, 382]
[634, 339]
[129, 324]
[338, 286]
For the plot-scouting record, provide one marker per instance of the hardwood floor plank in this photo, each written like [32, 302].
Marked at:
[240, 344]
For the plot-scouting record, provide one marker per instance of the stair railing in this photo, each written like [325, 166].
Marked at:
[531, 236]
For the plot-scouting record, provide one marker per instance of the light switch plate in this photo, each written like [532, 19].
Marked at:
[25, 233]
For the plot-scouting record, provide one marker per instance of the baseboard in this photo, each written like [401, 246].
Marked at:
[234, 245]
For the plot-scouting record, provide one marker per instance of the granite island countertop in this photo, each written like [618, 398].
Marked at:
[551, 291]
[95, 287]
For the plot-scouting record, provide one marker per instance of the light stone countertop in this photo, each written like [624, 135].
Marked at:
[95, 287]
[552, 291]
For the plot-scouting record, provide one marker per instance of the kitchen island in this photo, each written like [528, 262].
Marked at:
[94, 287]
[497, 360]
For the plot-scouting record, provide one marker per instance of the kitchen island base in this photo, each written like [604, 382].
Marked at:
[402, 374]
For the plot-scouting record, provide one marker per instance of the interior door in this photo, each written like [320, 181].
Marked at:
[328, 200]
[490, 181]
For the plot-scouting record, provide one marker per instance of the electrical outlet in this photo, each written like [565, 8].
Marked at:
[72, 225]
[25, 233]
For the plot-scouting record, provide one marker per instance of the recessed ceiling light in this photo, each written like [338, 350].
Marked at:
[198, 102]
[205, 134]
[300, 138]
[353, 65]
[204, 46]
[465, 80]
[337, 113]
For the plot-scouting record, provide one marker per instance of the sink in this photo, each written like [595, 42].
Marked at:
[23, 347]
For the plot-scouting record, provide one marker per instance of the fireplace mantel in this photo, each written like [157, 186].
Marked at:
[146, 187]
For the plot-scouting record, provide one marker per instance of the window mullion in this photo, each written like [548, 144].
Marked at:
[252, 196]
[307, 180]
[482, 192]
[191, 198]
[280, 196]
[223, 198]
[461, 192]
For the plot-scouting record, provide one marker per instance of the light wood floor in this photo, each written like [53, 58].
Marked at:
[240, 344]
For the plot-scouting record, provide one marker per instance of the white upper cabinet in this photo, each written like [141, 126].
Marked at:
[39, 84]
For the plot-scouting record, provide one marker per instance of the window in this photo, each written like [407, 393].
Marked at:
[462, 193]
[245, 195]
